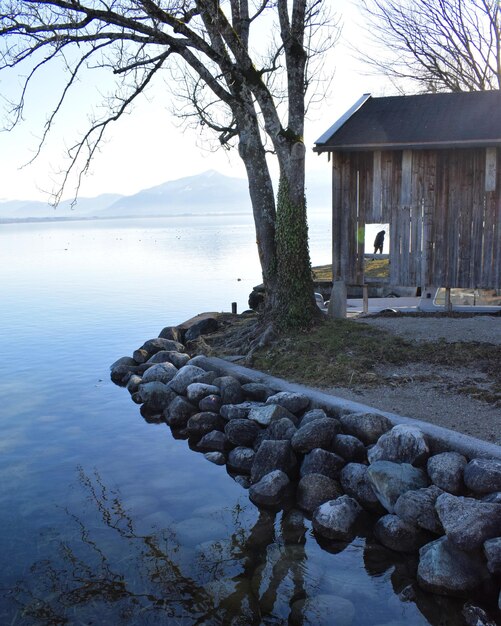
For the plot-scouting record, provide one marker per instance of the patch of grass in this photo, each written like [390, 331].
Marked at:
[347, 353]
[374, 268]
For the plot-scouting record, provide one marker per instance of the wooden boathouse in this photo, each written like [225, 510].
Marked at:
[429, 166]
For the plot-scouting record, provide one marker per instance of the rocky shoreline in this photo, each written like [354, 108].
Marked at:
[337, 467]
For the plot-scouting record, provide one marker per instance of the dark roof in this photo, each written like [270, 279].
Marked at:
[440, 120]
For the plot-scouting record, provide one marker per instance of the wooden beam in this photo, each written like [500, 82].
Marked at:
[490, 169]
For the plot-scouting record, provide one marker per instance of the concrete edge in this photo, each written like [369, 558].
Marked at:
[441, 439]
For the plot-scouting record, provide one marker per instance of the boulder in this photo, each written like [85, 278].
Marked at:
[213, 441]
[204, 326]
[335, 519]
[390, 480]
[355, 481]
[186, 376]
[281, 429]
[367, 427]
[133, 384]
[468, 522]
[230, 389]
[270, 489]
[156, 395]
[318, 610]
[418, 507]
[140, 355]
[446, 570]
[210, 403]
[312, 415]
[320, 461]
[197, 391]
[120, 368]
[202, 423]
[179, 412]
[493, 497]
[396, 534]
[257, 391]
[446, 471]
[273, 455]
[476, 616]
[240, 460]
[264, 415]
[483, 475]
[171, 332]
[317, 434]
[155, 345]
[163, 372]
[294, 402]
[349, 447]
[492, 550]
[217, 458]
[402, 444]
[315, 489]
[241, 432]
[238, 411]
[178, 359]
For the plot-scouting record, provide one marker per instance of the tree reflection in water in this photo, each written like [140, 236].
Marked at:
[114, 574]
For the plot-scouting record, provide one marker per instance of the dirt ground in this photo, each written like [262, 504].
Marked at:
[432, 393]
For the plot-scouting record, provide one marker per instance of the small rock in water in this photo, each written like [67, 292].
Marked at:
[270, 489]
[315, 489]
[217, 458]
[335, 519]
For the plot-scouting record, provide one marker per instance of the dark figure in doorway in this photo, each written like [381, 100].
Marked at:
[378, 242]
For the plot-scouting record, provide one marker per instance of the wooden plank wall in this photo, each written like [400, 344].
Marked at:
[444, 211]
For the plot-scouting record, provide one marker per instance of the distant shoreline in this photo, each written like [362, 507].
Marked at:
[65, 218]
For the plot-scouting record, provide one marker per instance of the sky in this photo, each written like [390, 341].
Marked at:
[148, 147]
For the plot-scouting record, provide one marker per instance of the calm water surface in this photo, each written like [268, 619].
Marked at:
[106, 519]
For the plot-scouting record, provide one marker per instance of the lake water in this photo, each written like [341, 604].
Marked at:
[106, 519]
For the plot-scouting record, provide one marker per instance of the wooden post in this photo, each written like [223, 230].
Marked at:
[338, 302]
[365, 292]
[448, 302]
[234, 308]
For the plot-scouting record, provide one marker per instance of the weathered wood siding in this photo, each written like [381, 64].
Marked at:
[443, 207]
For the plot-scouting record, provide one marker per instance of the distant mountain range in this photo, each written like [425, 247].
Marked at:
[209, 192]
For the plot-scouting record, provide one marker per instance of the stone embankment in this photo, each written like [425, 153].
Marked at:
[337, 465]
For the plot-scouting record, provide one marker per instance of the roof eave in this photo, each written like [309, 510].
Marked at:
[342, 120]
[474, 143]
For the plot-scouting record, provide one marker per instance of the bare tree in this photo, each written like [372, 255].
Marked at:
[253, 100]
[442, 45]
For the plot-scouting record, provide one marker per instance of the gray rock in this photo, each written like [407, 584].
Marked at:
[264, 415]
[156, 395]
[242, 480]
[257, 391]
[241, 432]
[163, 372]
[240, 460]
[217, 458]
[186, 376]
[230, 389]
[120, 368]
[468, 522]
[273, 455]
[367, 427]
[179, 359]
[418, 507]
[390, 480]
[349, 447]
[355, 481]
[179, 412]
[483, 475]
[204, 326]
[210, 403]
[238, 411]
[155, 345]
[318, 610]
[281, 429]
[446, 471]
[396, 534]
[492, 550]
[493, 497]
[294, 402]
[312, 415]
[140, 355]
[270, 489]
[202, 423]
[446, 570]
[476, 616]
[133, 384]
[315, 489]
[171, 332]
[335, 519]
[317, 434]
[213, 441]
[320, 461]
[402, 444]
[197, 391]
